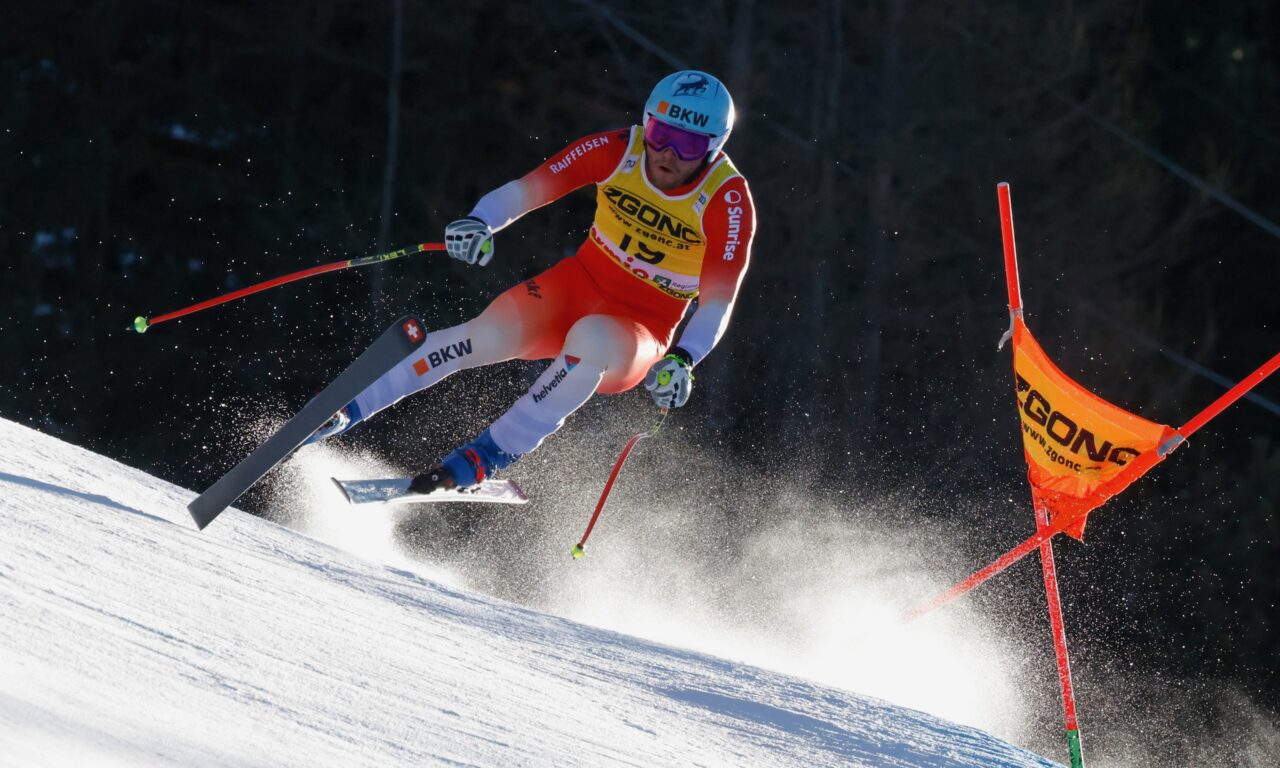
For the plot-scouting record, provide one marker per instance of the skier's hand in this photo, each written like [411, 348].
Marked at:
[469, 240]
[670, 380]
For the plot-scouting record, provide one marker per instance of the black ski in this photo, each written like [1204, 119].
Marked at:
[406, 335]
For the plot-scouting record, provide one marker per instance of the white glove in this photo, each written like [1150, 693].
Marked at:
[670, 380]
[469, 240]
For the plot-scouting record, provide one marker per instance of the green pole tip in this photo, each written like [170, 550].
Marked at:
[140, 324]
[578, 552]
[1074, 749]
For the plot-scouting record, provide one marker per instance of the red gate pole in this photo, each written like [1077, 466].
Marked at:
[1059, 640]
[1042, 514]
[1218, 406]
[1010, 259]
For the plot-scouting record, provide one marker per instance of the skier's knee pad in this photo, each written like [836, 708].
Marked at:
[603, 341]
[621, 347]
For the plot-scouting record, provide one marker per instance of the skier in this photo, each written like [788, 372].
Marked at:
[674, 221]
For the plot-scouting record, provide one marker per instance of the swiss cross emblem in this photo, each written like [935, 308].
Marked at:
[412, 330]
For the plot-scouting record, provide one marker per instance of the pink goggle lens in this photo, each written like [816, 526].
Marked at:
[688, 145]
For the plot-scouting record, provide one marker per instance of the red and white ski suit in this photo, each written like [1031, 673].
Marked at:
[607, 313]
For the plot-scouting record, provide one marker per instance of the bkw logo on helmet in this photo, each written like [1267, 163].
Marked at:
[677, 112]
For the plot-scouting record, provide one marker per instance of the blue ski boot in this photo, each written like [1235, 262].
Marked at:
[467, 466]
[347, 417]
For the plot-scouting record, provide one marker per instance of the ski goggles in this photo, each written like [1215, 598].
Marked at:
[688, 145]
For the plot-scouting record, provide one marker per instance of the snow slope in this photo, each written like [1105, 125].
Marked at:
[129, 638]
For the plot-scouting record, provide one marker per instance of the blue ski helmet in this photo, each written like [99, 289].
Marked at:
[696, 101]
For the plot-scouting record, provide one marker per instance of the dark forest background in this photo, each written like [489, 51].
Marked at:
[156, 153]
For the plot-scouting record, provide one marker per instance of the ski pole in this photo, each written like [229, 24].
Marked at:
[141, 324]
[579, 549]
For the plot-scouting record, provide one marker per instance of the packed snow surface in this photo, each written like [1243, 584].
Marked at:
[129, 638]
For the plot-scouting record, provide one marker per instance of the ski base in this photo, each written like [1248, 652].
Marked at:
[396, 491]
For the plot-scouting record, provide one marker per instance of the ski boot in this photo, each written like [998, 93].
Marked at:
[466, 467]
[435, 479]
[346, 418]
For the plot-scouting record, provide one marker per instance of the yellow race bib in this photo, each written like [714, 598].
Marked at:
[658, 238]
